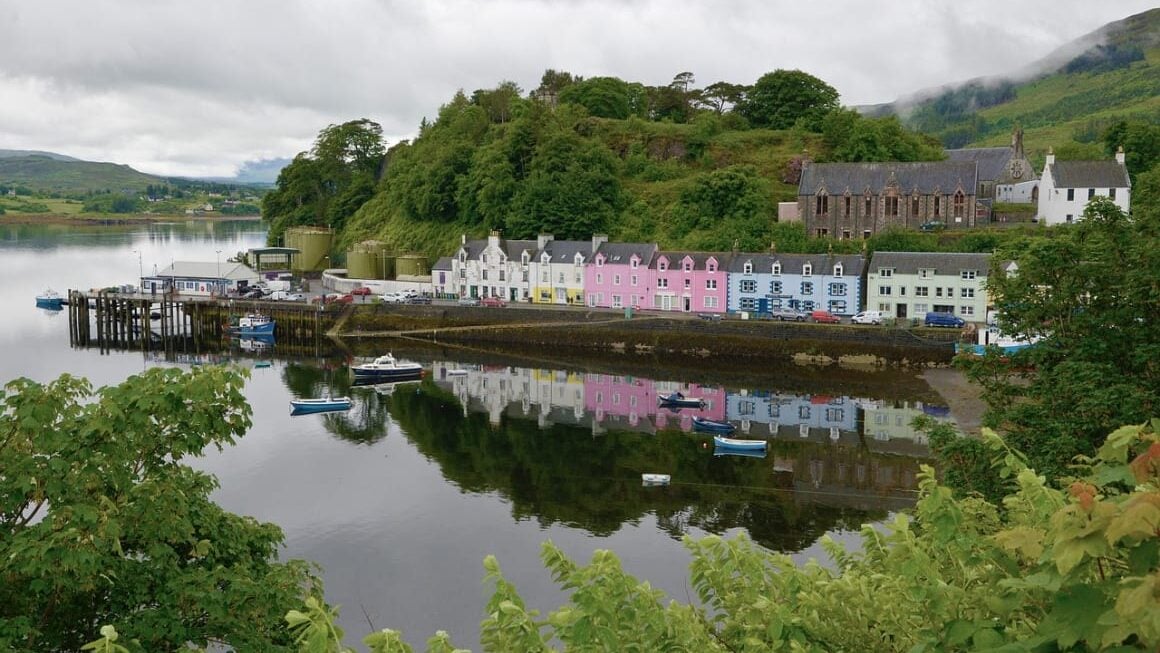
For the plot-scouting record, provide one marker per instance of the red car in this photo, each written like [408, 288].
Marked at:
[335, 298]
[494, 302]
[825, 317]
[361, 290]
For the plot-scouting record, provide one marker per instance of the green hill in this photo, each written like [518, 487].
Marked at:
[1110, 75]
[43, 173]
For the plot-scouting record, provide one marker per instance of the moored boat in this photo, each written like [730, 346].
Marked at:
[654, 479]
[254, 324]
[992, 337]
[386, 368]
[50, 299]
[740, 453]
[320, 405]
[678, 400]
[734, 444]
[712, 426]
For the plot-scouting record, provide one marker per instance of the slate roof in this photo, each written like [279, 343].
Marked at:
[207, 270]
[699, 259]
[926, 176]
[852, 264]
[941, 262]
[444, 263]
[1089, 174]
[992, 160]
[620, 253]
[564, 251]
[473, 248]
[512, 248]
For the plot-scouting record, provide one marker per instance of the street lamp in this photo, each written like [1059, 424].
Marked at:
[218, 281]
[140, 269]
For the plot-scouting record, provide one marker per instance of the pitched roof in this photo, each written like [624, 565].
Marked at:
[444, 263]
[1089, 174]
[852, 264]
[620, 253]
[992, 160]
[564, 251]
[699, 259]
[473, 248]
[926, 176]
[940, 262]
[207, 270]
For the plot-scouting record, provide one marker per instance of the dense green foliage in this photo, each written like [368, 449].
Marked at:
[101, 524]
[1045, 570]
[1090, 294]
[782, 98]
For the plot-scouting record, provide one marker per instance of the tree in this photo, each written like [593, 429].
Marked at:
[734, 204]
[778, 100]
[1141, 143]
[720, 96]
[1045, 570]
[603, 97]
[104, 525]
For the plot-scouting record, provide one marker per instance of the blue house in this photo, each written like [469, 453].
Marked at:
[759, 283]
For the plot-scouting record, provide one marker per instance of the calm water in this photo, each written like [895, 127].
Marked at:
[401, 498]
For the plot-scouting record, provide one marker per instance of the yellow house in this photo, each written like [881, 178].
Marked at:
[558, 274]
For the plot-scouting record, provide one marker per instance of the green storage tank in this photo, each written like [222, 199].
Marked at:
[412, 265]
[387, 266]
[313, 245]
[362, 265]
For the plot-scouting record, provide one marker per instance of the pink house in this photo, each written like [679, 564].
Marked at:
[619, 275]
[635, 399]
[690, 282]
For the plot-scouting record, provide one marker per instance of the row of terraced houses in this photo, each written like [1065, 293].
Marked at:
[598, 273]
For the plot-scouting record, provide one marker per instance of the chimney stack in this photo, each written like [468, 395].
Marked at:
[1050, 160]
[542, 240]
[598, 240]
[1120, 155]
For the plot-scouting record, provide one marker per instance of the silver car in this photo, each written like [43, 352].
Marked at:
[791, 314]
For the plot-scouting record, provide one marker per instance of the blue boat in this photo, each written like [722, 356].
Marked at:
[732, 444]
[50, 299]
[711, 426]
[255, 324]
[678, 400]
[321, 405]
[740, 453]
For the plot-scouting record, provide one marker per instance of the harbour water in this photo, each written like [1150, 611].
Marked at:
[400, 499]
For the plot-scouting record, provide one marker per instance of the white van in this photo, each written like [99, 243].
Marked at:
[868, 317]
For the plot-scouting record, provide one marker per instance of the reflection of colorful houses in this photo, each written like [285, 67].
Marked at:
[890, 420]
[783, 415]
[682, 419]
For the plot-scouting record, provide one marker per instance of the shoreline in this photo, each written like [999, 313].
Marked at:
[90, 219]
[964, 399]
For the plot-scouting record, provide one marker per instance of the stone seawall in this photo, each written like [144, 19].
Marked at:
[653, 334]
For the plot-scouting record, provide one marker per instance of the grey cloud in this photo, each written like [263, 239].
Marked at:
[200, 87]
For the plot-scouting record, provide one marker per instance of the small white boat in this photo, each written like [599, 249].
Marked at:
[321, 405]
[456, 372]
[654, 479]
[386, 368]
[738, 445]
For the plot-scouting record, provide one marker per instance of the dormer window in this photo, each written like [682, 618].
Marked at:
[837, 269]
[462, 256]
[688, 266]
[662, 265]
[524, 258]
[599, 261]
[634, 263]
[748, 267]
[777, 269]
[807, 270]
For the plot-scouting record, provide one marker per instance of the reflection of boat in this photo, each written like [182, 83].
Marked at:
[386, 368]
[456, 372]
[256, 343]
[711, 426]
[50, 299]
[258, 364]
[654, 479]
[742, 453]
[255, 324]
[676, 399]
[738, 445]
[320, 405]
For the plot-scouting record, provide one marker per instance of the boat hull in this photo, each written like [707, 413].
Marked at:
[709, 426]
[266, 329]
[51, 303]
[380, 376]
[308, 406]
[671, 401]
[731, 444]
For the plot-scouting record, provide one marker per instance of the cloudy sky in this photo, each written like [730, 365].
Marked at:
[197, 87]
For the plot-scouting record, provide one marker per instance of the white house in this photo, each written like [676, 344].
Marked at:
[911, 284]
[201, 278]
[1067, 187]
[559, 267]
[492, 268]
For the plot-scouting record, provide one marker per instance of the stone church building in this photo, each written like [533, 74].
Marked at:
[1005, 173]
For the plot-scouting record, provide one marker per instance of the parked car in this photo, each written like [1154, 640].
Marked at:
[825, 317]
[868, 317]
[944, 320]
[393, 298]
[494, 302]
[469, 301]
[253, 293]
[295, 297]
[335, 298]
[419, 299]
[361, 290]
[792, 314]
[279, 296]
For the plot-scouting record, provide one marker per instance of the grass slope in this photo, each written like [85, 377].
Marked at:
[46, 174]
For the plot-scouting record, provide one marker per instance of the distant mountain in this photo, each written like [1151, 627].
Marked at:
[12, 154]
[1071, 95]
[261, 172]
[47, 172]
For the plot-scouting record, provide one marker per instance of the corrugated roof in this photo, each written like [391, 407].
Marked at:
[940, 262]
[621, 253]
[207, 270]
[926, 177]
[852, 264]
[992, 161]
[1089, 174]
